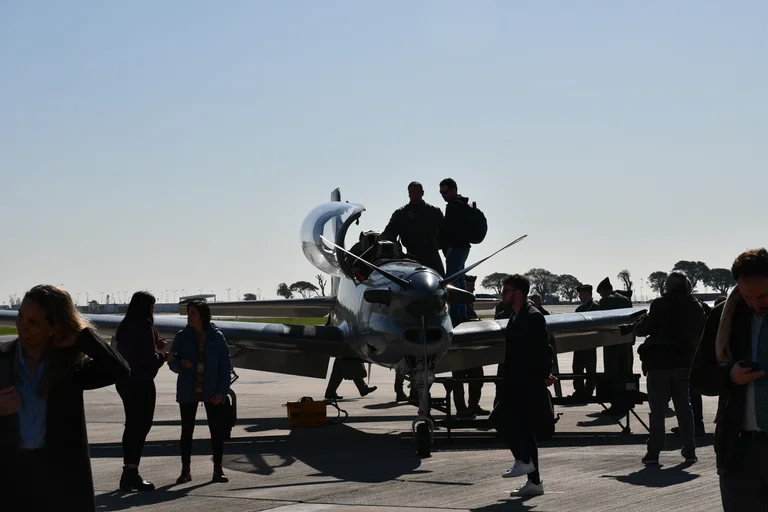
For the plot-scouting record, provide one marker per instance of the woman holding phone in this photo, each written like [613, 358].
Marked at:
[43, 435]
[138, 343]
[201, 358]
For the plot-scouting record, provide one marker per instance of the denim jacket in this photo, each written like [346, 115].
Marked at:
[218, 365]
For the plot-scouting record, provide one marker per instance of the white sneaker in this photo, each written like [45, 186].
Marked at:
[519, 468]
[529, 489]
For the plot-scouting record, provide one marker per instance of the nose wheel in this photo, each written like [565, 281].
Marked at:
[422, 437]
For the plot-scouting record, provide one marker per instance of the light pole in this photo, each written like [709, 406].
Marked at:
[228, 296]
[174, 295]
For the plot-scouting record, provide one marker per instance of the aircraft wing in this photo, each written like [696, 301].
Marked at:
[282, 348]
[484, 304]
[312, 307]
[480, 343]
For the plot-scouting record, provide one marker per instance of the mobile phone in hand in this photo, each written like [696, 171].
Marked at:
[752, 366]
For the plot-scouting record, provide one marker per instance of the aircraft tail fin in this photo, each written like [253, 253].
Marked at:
[335, 196]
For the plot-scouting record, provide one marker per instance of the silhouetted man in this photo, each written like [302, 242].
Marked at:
[475, 387]
[617, 359]
[454, 238]
[418, 225]
[528, 362]
[536, 299]
[672, 329]
[585, 361]
[731, 363]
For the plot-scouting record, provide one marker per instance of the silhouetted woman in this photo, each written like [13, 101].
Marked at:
[137, 342]
[201, 358]
[44, 460]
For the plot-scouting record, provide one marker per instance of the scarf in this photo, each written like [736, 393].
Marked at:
[723, 337]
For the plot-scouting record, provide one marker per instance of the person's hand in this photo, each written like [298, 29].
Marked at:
[186, 363]
[161, 343]
[66, 340]
[741, 375]
[169, 357]
[550, 380]
[217, 399]
[9, 401]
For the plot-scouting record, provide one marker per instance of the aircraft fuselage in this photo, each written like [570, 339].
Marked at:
[384, 334]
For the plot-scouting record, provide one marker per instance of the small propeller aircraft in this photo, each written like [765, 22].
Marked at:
[385, 309]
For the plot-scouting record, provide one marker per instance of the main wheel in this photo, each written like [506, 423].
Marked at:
[423, 440]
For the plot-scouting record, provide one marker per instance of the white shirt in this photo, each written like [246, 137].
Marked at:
[750, 419]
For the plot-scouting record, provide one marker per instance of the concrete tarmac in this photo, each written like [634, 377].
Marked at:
[367, 462]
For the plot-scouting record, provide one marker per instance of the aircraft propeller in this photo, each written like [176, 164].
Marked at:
[452, 278]
[405, 284]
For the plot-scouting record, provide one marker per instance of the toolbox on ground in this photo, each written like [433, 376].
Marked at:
[306, 413]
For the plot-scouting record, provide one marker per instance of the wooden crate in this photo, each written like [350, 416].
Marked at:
[306, 414]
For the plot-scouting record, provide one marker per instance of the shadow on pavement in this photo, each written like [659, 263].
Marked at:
[657, 476]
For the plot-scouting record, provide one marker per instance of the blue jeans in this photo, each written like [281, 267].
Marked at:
[455, 262]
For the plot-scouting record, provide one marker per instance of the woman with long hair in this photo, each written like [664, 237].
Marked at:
[137, 342]
[43, 436]
[201, 358]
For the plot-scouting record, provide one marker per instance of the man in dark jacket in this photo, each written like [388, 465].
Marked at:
[454, 238]
[617, 359]
[585, 361]
[418, 224]
[672, 329]
[730, 363]
[528, 362]
[501, 311]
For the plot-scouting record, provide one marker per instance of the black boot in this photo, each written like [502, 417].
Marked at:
[218, 474]
[132, 481]
[186, 475]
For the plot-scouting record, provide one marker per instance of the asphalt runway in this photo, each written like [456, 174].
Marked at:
[368, 462]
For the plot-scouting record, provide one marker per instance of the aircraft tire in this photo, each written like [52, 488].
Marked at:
[423, 440]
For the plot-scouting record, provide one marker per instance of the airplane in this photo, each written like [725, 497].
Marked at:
[385, 309]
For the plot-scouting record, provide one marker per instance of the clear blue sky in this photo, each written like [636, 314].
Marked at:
[179, 144]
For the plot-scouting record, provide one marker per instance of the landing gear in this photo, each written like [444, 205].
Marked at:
[422, 373]
[423, 438]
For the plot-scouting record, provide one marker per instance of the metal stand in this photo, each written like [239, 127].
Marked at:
[450, 422]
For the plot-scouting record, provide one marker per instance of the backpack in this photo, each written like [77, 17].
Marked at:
[478, 224]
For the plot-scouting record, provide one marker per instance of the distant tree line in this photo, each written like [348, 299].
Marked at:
[303, 288]
[718, 279]
[563, 286]
[554, 286]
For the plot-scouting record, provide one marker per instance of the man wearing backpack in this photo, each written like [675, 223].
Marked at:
[672, 328]
[456, 237]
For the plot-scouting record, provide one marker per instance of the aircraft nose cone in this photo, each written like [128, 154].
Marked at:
[424, 297]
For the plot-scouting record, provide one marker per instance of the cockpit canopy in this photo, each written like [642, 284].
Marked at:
[330, 220]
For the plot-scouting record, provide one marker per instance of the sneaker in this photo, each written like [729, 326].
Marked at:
[690, 456]
[519, 468]
[650, 460]
[529, 489]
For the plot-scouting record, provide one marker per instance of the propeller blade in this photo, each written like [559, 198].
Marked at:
[397, 280]
[457, 275]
